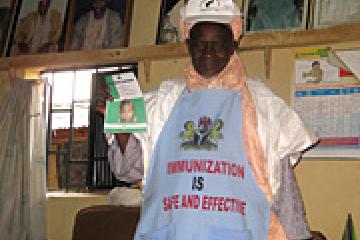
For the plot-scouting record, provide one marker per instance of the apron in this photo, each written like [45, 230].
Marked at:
[200, 185]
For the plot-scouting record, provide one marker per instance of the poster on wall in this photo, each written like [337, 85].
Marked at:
[335, 12]
[327, 99]
[275, 15]
[39, 27]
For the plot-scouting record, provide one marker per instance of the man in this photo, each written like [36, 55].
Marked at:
[243, 187]
[124, 153]
[125, 158]
[38, 32]
[99, 28]
[126, 163]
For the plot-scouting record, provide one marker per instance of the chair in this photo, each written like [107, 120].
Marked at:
[106, 222]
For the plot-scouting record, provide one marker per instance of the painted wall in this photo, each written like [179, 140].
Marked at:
[330, 187]
[4, 83]
[62, 209]
[144, 22]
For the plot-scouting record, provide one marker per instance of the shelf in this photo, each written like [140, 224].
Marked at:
[336, 34]
[251, 41]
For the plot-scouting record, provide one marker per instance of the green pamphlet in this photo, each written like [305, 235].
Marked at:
[126, 113]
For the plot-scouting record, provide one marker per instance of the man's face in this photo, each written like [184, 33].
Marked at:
[99, 5]
[210, 46]
[43, 7]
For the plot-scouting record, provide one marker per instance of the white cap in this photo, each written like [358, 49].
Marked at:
[221, 11]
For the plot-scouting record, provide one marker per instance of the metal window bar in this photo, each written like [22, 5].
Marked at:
[71, 136]
[48, 102]
[99, 175]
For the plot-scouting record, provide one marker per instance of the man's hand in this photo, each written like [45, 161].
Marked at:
[101, 105]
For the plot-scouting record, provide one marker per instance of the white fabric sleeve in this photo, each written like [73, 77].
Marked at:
[159, 104]
[294, 136]
[282, 133]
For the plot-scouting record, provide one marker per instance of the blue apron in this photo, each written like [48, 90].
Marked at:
[200, 185]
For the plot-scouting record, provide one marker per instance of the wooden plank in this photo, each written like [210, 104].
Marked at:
[97, 57]
[336, 34]
[343, 33]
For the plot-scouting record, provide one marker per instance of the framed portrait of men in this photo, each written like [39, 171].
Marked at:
[39, 27]
[275, 15]
[168, 31]
[7, 11]
[335, 12]
[98, 24]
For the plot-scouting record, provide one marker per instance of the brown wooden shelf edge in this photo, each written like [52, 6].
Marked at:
[251, 41]
[335, 34]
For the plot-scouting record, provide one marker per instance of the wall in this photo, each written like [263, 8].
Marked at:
[144, 22]
[330, 187]
[61, 211]
[4, 83]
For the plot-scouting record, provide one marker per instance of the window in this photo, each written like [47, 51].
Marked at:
[76, 145]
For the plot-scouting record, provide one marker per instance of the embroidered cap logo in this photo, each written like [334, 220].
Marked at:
[206, 5]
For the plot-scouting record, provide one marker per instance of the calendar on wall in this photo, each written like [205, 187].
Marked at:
[327, 98]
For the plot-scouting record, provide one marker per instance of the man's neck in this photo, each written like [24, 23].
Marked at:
[99, 14]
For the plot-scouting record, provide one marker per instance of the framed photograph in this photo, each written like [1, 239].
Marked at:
[7, 13]
[276, 15]
[335, 12]
[98, 24]
[39, 27]
[169, 28]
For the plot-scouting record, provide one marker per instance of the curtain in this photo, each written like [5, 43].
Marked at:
[22, 162]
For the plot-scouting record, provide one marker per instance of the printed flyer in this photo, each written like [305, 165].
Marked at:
[126, 112]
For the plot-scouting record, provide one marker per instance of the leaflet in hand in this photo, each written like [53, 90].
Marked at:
[126, 113]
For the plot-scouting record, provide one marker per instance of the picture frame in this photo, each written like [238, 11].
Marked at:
[276, 15]
[335, 12]
[7, 15]
[39, 27]
[115, 24]
[168, 31]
